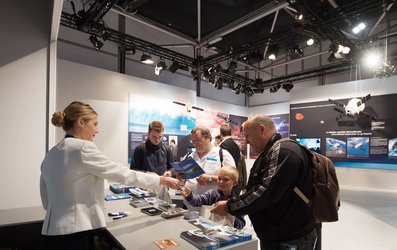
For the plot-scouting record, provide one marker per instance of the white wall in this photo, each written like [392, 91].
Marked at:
[23, 126]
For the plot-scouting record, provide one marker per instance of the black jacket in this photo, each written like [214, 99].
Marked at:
[153, 158]
[232, 147]
[276, 211]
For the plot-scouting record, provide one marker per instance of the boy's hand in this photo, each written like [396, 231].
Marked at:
[185, 191]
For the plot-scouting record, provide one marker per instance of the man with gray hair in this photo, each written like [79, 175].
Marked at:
[208, 157]
[281, 219]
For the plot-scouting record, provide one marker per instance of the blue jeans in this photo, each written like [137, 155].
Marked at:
[307, 242]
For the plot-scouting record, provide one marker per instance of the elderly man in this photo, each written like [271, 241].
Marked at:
[281, 219]
[208, 157]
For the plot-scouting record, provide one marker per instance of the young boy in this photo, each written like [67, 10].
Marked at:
[228, 178]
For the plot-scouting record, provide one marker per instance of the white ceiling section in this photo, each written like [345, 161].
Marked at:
[201, 34]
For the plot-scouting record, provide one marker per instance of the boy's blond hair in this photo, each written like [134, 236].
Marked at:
[231, 172]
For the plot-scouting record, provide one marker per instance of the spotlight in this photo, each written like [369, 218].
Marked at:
[232, 67]
[272, 52]
[160, 67]
[288, 87]
[103, 32]
[275, 88]
[219, 83]
[174, 67]
[338, 52]
[293, 50]
[146, 59]
[339, 49]
[96, 43]
[310, 41]
[359, 27]
[195, 75]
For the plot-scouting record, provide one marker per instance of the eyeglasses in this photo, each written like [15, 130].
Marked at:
[196, 141]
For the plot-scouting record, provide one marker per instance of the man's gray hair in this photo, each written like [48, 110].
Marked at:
[205, 132]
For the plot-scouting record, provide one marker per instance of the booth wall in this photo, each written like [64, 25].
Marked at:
[372, 178]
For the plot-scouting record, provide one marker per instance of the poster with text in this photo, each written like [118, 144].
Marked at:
[359, 132]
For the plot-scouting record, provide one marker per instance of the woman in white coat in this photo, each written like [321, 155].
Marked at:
[72, 181]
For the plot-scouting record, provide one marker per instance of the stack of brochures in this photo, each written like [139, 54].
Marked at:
[212, 236]
[119, 188]
[111, 197]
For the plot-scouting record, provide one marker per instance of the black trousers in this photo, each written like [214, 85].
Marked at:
[307, 242]
[87, 240]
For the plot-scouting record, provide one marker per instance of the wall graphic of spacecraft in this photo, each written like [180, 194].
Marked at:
[353, 109]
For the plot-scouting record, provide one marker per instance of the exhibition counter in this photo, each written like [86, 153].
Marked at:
[136, 231]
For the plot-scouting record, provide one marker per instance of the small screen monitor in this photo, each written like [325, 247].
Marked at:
[313, 144]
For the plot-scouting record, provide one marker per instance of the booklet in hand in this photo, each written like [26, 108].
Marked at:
[189, 167]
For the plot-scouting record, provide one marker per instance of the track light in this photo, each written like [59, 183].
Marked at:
[96, 43]
[338, 52]
[272, 52]
[105, 35]
[160, 67]
[174, 67]
[359, 27]
[310, 41]
[146, 59]
[293, 50]
[232, 67]
[288, 87]
[275, 88]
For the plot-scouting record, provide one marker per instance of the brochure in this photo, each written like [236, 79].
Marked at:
[189, 167]
[120, 188]
[111, 197]
[151, 211]
[209, 239]
[139, 202]
[166, 243]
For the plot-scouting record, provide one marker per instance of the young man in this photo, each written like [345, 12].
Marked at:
[280, 217]
[153, 155]
[228, 144]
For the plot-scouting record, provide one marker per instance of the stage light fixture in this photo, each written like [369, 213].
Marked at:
[160, 67]
[146, 59]
[275, 88]
[174, 67]
[96, 43]
[359, 27]
[232, 67]
[288, 87]
[310, 41]
[272, 52]
[293, 50]
[105, 35]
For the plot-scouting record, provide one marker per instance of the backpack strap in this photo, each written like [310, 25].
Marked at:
[221, 156]
[273, 165]
[302, 195]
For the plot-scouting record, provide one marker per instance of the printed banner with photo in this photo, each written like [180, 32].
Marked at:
[360, 132]
[177, 121]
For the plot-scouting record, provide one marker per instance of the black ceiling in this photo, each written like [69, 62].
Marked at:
[231, 29]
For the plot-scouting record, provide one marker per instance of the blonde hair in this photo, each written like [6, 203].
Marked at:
[231, 172]
[72, 113]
